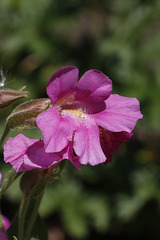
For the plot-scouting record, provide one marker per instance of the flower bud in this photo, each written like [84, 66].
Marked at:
[24, 115]
[9, 96]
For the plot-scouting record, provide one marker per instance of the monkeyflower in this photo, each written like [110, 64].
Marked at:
[86, 114]
[85, 123]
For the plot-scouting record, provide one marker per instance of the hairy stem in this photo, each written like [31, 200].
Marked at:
[4, 135]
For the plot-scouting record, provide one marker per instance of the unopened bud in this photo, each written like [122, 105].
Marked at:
[24, 115]
[9, 96]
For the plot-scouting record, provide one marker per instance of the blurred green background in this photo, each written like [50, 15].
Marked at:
[122, 39]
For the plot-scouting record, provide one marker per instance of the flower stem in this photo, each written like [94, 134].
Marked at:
[9, 179]
[33, 184]
[33, 216]
[1, 223]
[5, 133]
[22, 215]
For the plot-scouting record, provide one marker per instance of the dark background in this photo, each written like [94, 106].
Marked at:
[122, 39]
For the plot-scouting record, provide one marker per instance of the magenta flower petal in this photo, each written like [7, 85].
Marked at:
[31, 155]
[94, 86]
[121, 114]
[14, 151]
[68, 153]
[87, 144]
[37, 157]
[62, 83]
[57, 131]
[110, 141]
[6, 222]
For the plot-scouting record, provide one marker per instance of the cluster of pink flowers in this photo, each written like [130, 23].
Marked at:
[85, 125]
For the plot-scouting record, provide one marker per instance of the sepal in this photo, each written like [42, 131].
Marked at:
[24, 115]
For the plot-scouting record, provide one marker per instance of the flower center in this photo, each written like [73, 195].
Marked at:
[69, 106]
[76, 112]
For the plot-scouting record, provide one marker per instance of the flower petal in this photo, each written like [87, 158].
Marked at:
[56, 131]
[14, 151]
[120, 114]
[110, 141]
[31, 154]
[68, 153]
[6, 222]
[94, 86]
[63, 82]
[36, 157]
[87, 144]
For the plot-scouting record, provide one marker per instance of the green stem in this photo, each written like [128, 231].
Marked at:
[5, 133]
[1, 221]
[22, 216]
[33, 184]
[9, 179]
[33, 216]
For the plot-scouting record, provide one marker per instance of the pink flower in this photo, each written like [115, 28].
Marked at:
[25, 154]
[6, 223]
[86, 114]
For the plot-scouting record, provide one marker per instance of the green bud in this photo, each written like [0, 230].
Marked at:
[9, 96]
[24, 115]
